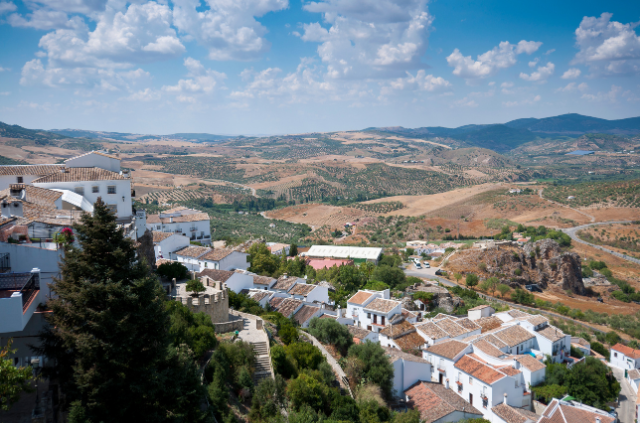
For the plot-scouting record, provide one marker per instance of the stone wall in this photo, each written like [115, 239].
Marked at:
[230, 326]
[215, 305]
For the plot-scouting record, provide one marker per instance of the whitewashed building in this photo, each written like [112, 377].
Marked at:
[192, 223]
[224, 259]
[408, 370]
[624, 357]
[165, 244]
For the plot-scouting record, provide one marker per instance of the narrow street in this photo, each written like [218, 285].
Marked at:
[627, 400]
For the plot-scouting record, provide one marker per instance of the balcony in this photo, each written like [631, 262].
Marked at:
[19, 297]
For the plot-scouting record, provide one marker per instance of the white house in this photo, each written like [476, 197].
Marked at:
[304, 314]
[278, 248]
[407, 370]
[443, 357]
[557, 410]
[439, 404]
[357, 254]
[190, 256]
[504, 413]
[581, 345]
[402, 336]
[225, 259]
[193, 223]
[517, 339]
[362, 335]
[431, 333]
[95, 159]
[310, 293]
[81, 186]
[480, 312]
[624, 357]
[166, 243]
[532, 369]
[236, 281]
[25, 174]
[285, 283]
[261, 296]
[377, 314]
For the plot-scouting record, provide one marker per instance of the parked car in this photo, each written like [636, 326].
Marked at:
[426, 264]
[418, 266]
[440, 272]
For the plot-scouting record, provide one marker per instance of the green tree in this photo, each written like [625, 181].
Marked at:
[503, 289]
[261, 259]
[13, 380]
[376, 366]
[306, 390]
[195, 286]
[424, 297]
[409, 416]
[108, 332]
[282, 363]
[172, 270]
[612, 338]
[392, 276]
[288, 333]
[293, 250]
[305, 355]
[592, 382]
[471, 280]
[329, 331]
[376, 286]
[521, 296]
[268, 398]
[458, 276]
[193, 329]
[548, 392]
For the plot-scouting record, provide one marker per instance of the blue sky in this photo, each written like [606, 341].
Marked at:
[286, 66]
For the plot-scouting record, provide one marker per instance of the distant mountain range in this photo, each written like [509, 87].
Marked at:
[507, 136]
[123, 136]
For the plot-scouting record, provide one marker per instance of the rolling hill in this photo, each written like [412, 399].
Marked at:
[124, 136]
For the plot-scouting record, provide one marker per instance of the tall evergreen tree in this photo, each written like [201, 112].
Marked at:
[109, 333]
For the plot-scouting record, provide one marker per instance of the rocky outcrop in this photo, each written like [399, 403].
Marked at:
[441, 296]
[554, 266]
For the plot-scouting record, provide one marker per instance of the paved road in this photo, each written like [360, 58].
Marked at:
[572, 232]
[627, 400]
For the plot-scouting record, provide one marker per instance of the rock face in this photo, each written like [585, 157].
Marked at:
[555, 267]
[441, 296]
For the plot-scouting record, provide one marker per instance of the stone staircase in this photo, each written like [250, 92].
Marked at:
[263, 362]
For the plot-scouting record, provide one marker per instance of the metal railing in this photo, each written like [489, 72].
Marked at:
[27, 284]
[30, 290]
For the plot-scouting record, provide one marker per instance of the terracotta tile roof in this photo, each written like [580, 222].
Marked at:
[275, 302]
[514, 415]
[396, 354]
[301, 289]
[34, 195]
[495, 341]
[488, 348]
[407, 314]
[488, 323]
[357, 332]
[451, 327]
[551, 333]
[217, 254]
[627, 351]
[288, 306]
[22, 170]
[77, 174]
[409, 341]
[305, 313]
[467, 324]
[360, 297]
[479, 370]
[530, 363]
[382, 305]
[440, 316]
[447, 349]
[434, 401]
[262, 280]
[580, 341]
[328, 316]
[517, 313]
[509, 371]
[191, 216]
[285, 283]
[563, 412]
[634, 374]
[193, 251]
[537, 320]
[216, 274]
[161, 236]
[258, 296]
[514, 335]
[393, 331]
[431, 330]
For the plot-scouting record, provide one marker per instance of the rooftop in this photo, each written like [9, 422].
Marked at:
[78, 174]
[193, 251]
[480, 307]
[334, 251]
[360, 297]
[409, 341]
[258, 296]
[514, 415]
[396, 330]
[161, 236]
[285, 283]
[447, 349]
[305, 313]
[434, 401]
[396, 354]
[451, 327]
[262, 280]
[514, 335]
[216, 274]
[319, 264]
[288, 306]
[495, 341]
[275, 302]
[488, 323]
[530, 363]
[634, 374]
[21, 170]
[552, 333]
[217, 254]
[357, 332]
[627, 351]
[34, 195]
[479, 370]
[467, 324]
[382, 305]
[431, 330]
[302, 289]
[177, 215]
[488, 348]
[517, 313]
[537, 320]
[564, 412]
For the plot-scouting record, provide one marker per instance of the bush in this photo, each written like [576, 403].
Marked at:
[288, 334]
[612, 338]
[304, 355]
[173, 270]
[600, 349]
[471, 280]
[521, 296]
[193, 329]
[329, 331]
[518, 272]
[282, 363]
[606, 272]
[392, 276]
[621, 296]
[548, 392]
[587, 272]
[195, 286]
[483, 267]
[376, 366]
[597, 265]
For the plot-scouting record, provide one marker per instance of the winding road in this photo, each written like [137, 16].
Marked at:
[572, 232]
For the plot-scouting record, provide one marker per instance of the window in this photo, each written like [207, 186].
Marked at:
[615, 354]
[95, 189]
[382, 320]
[470, 380]
[79, 190]
[112, 208]
[158, 227]
[20, 179]
[368, 315]
[111, 189]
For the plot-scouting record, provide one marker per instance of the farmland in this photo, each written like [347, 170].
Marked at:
[624, 237]
[623, 193]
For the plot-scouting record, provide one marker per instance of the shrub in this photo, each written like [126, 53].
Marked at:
[471, 280]
[173, 270]
[523, 297]
[195, 286]
[376, 367]
[329, 331]
[304, 355]
[597, 265]
[518, 272]
[600, 349]
[483, 267]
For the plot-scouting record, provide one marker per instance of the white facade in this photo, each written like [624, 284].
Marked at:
[13, 316]
[167, 246]
[319, 294]
[235, 260]
[197, 231]
[622, 358]
[480, 311]
[116, 193]
[406, 372]
[95, 159]
[239, 281]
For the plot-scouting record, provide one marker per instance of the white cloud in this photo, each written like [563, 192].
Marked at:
[525, 102]
[488, 64]
[369, 38]
[3, 69]
[611, 96]
[608, 47]
[45, 19]
[421, 81]
[541, 74]
[572, 86]
[572, 73]
[228, 28]
[5, 93]
[548, 52]
[6, 6]
[465, 102]
[534, 62]
[199, 81]
[506, 85]
[147, 94]
[69, 6]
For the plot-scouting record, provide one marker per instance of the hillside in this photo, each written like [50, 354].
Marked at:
[576, 124]
[15, 131]
[125, 136]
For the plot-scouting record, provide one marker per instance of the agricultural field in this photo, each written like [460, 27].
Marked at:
[217, 193]
[624, 193]
[624, 237]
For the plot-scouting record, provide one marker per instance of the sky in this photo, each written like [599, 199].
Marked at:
[290, 66]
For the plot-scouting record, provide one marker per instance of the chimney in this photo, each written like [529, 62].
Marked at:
[63, 169]
[446, 383]
[6, 209]
[505, 398]
[16, 209]
[598, 419]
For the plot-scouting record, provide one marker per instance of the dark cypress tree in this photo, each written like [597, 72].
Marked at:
[109, 333]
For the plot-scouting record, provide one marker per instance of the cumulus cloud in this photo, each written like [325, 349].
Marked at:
[608, 47]
[148, 94]
[488, 64]
[534, 62]
[6, 6]
[572, 86]
[610, 96]
[421, 81]
[69, 6]
[572, 73]
[465, 102]
[525, 102]
[45, 19]
[369, 38]
[541, 74]
[199, 81]
[228, 28]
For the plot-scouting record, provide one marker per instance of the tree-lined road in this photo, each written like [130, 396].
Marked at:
[573, 233]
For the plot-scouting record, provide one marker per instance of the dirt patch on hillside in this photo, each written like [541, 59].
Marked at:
[613, 213]
[318, 215]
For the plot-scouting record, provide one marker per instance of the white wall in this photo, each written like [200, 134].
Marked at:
[170, 245]
[23, 258]
[235, 260]
[202, 232]
[94, 160]
[123, 189]
[621, 361]
[7, 180]
[239, 281]
[407, 373]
